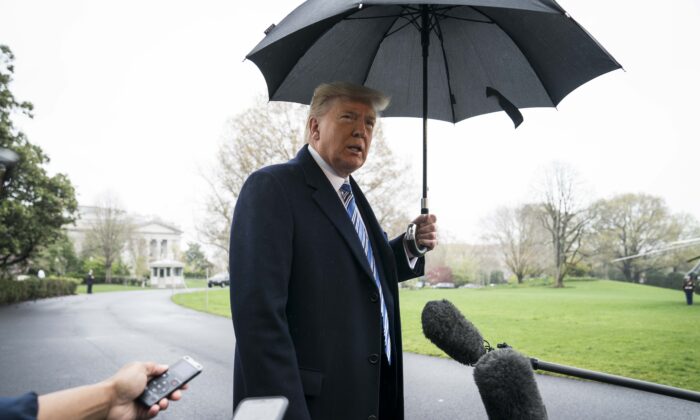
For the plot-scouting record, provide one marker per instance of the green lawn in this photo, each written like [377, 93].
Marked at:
[214, 301]
[196, 283]
[643, 332]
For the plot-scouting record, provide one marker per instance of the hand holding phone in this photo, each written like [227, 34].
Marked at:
[174, 378]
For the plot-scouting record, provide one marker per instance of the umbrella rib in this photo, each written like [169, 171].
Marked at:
[410, 22]
[414, 15]
[379, 17]
[376, 50]
[438, 31]
[446, 16]
[521, 52]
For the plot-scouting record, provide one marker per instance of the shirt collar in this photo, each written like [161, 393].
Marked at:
[336, 180]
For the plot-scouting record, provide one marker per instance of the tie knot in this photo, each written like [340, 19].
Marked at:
[345, 188]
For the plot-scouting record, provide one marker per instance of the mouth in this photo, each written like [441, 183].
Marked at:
[355, 149]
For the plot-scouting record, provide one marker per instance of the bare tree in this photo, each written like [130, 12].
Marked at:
[564, 215]
[109, 233]
[264, 134]
[519, 236]
[270, 133]
[138, 250]
[383, 180]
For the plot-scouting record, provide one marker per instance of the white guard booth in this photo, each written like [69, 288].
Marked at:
[167, 274]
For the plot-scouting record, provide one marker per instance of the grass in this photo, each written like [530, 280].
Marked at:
[214, 301]
[196, 283]
[642, 332]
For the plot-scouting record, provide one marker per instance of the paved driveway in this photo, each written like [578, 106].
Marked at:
[69, 341]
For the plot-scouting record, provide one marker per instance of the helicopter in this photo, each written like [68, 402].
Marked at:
[671, 247]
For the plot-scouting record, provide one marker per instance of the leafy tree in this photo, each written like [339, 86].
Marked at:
[195, 259]
[109, 234]
[270, 133]
[496, 277]
[57, 259]
[96, 264]
[629, 225]
[33, 205]
[565, 217]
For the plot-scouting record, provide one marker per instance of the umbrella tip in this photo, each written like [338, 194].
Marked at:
[269, 29]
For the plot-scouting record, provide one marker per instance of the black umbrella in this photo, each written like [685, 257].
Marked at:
[448, 60]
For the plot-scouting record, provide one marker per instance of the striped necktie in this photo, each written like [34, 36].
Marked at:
[354, 213]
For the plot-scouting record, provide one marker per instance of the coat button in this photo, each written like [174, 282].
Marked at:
[374, 297]
[372, 417]
[373, 358]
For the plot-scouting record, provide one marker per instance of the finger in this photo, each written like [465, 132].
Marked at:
[175, 395]
[153, 411]
[427, 236]
[427, 229]
[163, 404]
[153, 369]
[420, 219]
[425, 218]
[430, 244]
[428, 240]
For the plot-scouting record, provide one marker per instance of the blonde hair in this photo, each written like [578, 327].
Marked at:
[326, 93]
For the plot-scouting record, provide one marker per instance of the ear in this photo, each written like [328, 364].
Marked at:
[314, 130]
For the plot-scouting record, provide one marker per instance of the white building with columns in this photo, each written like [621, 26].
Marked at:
[157, 239]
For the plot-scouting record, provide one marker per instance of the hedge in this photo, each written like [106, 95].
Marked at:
[12, 291]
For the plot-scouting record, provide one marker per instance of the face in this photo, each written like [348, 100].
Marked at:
[343, 135]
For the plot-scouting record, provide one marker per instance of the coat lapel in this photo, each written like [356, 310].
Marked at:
[327, 199]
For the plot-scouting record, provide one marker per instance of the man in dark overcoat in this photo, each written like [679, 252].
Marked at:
[314, 279]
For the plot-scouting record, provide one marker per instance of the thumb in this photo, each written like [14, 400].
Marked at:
[153, 369]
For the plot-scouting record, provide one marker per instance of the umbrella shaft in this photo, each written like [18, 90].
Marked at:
[425, 42]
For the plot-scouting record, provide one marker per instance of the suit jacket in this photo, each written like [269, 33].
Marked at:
[304, 303]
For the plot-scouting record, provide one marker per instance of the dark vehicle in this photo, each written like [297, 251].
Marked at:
[220, 279]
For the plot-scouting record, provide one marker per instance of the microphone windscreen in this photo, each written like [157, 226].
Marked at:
[447, 328]
[507, 386]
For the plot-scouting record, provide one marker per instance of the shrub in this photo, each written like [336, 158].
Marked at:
[12, 291]
[668, 280]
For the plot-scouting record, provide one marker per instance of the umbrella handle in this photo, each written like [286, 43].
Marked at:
[412, 243]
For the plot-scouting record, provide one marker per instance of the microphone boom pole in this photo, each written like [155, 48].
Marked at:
[616, 380]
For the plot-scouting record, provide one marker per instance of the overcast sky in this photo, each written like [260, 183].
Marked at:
[132, 97]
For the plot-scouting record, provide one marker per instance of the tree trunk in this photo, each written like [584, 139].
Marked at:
[560, 277]
[108, 273]
[627, 271]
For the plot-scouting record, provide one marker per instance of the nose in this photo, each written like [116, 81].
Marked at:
[361, 130]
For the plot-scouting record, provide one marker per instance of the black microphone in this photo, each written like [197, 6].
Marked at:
[507, 386]
[447, 328]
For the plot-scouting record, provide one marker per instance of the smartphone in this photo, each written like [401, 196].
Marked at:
[261, 408]
[175, 377]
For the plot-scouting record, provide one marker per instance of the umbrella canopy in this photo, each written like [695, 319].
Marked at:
[530, 51]
[447, 60]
